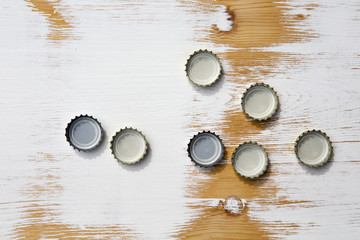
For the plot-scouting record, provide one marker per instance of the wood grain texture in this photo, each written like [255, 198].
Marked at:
[40, 217]
[259, 29]
[256, 25]
[123, 62]
[60, 28]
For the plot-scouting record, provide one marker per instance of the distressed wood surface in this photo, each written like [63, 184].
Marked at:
[123, 62]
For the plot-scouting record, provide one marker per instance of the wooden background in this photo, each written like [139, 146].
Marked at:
[123, 62]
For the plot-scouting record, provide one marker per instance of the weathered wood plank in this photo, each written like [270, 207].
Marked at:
[123, 62]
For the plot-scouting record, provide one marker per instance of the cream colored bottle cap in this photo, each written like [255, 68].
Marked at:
[313, 148]
[250, 160]
[260, 101]
[129, 146]
[203, 68]
[206, 149]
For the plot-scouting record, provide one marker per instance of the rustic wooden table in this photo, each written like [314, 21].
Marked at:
[123, 62]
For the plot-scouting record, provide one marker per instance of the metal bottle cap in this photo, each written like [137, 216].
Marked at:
[313, 148]
[129, 146]
[203, 68]
[260, 101]
[206, 149]
[250, 160]
[84, 133]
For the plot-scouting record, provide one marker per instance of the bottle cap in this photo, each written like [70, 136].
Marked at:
[84, 133]
[129, 146]
[203, 68]
[250, 160]
[206, 149]
[260, 101]
[313, 148]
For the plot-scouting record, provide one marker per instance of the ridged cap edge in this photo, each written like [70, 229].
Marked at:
[233, 160]
[112, 148]
[214, 163]
[326, 159]
[276, 99]
[67, 129]
[206, 51]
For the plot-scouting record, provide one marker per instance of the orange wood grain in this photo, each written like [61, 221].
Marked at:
[41, 219]
[60, 27]
[256, 25]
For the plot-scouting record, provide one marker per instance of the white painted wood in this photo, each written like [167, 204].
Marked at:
[123, 63]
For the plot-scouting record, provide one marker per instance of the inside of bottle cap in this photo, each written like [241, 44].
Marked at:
[203, 68]
[129, 146]
[260, 102]
[250, 160]
[313, 148]
[85, 133]
[206, 149]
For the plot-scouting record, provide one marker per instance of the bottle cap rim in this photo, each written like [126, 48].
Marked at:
[129, 145]
[260, 101]
[203, 68]
[313, 148]
[84, 133]
[206, 149]
[250, 160]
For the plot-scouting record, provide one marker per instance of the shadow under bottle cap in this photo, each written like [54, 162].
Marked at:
[206, 149]
[84, 133]
[203, 68]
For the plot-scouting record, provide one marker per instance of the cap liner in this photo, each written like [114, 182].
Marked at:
[250, 160]
[84, 133]
[313, 148]
[129, 146]
[206, 149]
[203, 68]
[260, 101]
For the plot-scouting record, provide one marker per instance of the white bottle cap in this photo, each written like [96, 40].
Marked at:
[250, 160]
[129, 146]
[203, 68]
[313, 148]
[260, 101]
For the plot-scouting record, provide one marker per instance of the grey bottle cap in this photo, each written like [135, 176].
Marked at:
[203, 68]
[129, 146]
[250, 160]
[206, 149]
[84, 133]
[260, 101]
[313, 148]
